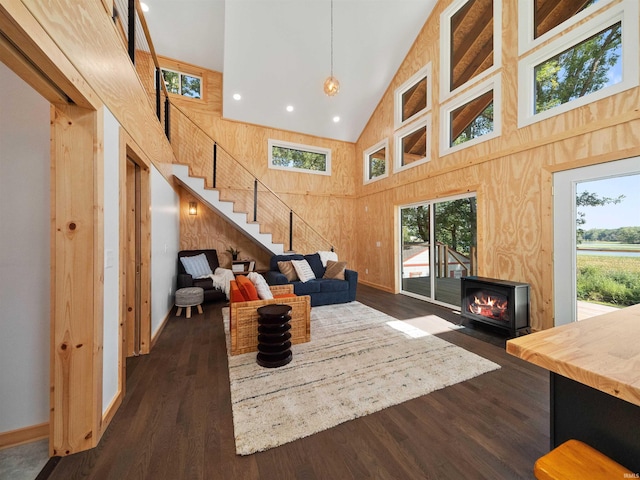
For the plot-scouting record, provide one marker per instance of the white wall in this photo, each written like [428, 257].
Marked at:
[165, 242]
[24, 254]
[110, 341]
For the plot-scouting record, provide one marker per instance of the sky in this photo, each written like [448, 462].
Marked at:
[624, 214]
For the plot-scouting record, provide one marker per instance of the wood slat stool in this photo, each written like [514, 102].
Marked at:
[577, 460]
[189, 297]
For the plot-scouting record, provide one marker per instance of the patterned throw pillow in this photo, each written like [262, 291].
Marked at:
[335, 270]
[303, 269]
[197, 266]
[287, 269]
[262, 287]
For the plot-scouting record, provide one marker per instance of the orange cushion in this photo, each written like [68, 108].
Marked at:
[247, 288]
[235, 295]
[285, 295]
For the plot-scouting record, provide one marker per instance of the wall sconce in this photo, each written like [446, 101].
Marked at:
[193, 208]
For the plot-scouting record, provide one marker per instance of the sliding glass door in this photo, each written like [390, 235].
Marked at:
[438, 247]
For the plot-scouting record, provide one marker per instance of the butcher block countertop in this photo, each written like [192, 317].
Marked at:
[602, 352]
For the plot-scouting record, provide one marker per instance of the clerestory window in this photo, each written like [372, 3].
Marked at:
[295, 157]
[471, 118]
[375, 162]
[470, 34]
[588, 62]
[183, 84]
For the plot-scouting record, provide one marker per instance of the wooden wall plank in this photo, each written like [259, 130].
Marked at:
[77, 256]
[511, 174]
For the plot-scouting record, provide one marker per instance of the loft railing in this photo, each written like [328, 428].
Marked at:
[193, 146]
[130, 22]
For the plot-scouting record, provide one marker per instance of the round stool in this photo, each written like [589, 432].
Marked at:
[189, 297]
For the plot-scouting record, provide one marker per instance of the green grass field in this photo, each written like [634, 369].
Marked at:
[609, 280]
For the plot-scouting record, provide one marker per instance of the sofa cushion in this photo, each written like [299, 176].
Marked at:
[333, 285]
[197, 266]
[326, 256]
[246, 287]
[335, 270]
[303, 269]
[273, 263]
[264, 292]
[306, 288]
[315, 262]
[235, 295]
[287, 269]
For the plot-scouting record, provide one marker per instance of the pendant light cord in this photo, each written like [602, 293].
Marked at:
[332, 38]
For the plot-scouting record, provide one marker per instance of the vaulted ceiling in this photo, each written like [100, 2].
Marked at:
[276, 53]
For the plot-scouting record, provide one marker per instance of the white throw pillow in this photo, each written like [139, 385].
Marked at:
[197, 266]
[324, 256]
[303, 269]
[262, 287]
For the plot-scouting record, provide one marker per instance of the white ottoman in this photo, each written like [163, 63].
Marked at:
[189, 297]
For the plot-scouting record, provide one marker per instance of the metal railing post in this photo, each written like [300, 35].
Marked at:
[215, 162]
[158, 88]
[255, 199]
[167, 118]
[291, 230]
[132, 30]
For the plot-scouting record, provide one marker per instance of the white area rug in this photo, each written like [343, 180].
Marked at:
[359, 361]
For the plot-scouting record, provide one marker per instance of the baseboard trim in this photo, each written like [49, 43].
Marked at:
[375, 285]
[111, 411]
[24, 435]
[156, 336]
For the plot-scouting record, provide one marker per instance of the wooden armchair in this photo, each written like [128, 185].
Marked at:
[243, 318]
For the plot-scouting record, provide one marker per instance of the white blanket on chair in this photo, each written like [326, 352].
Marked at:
[222, 279]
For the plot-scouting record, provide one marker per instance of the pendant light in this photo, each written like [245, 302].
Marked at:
[331, 84]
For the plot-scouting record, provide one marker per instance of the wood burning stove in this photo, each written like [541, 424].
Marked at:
[500, 303]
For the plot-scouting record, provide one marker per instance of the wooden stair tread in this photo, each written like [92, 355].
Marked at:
[577, 460]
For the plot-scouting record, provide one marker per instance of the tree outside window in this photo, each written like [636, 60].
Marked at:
[585, 68]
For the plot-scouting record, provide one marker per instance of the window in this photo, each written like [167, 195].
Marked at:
[183, 84]
[304, 158]
[591, 61]
[471, 118]
[471, 31]
[580, 70]
[412, 144]
[375, 162]
[540, 20]
[413, 98]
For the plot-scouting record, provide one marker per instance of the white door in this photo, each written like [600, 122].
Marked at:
[566, 185]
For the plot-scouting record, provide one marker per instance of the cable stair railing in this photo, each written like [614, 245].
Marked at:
[221, 171]
[205, 158]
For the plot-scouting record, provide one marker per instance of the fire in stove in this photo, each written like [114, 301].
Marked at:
[490, 307]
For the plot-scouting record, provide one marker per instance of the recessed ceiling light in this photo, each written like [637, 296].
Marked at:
[144, 7]
[237, 96]
[289, 108]
[336, 119]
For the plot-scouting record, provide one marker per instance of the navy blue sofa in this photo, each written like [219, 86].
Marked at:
[323, 291]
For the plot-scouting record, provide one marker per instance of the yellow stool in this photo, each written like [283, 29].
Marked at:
[577, 460]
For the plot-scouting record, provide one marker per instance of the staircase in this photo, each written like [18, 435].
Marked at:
[211, 198]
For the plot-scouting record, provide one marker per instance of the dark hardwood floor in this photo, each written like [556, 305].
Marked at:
[175, 421]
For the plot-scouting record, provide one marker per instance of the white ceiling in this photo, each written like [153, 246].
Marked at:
[278, 52]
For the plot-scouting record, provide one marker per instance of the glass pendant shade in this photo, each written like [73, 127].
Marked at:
[331, 86]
